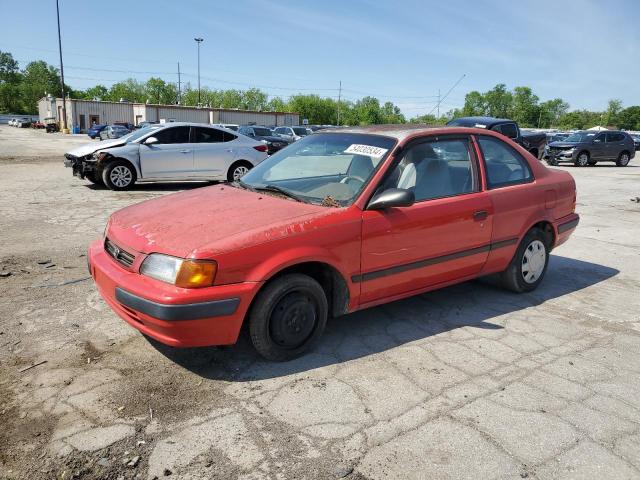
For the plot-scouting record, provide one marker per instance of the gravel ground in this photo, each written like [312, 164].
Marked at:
[467, 382]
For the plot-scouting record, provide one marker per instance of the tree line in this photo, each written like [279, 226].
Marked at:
[20, 90]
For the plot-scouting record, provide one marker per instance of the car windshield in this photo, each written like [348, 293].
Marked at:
[580, 137]
[325, 169]
[300, 131]
[136, 134]
[263, 132]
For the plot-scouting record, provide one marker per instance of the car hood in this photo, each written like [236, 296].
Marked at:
[94, 147]
[202, 222]
[563, 144]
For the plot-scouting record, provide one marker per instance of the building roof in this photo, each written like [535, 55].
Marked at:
[186, 107]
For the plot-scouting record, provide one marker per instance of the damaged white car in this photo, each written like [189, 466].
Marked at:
[169, 152]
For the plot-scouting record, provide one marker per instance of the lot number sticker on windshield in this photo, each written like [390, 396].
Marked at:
[368, 150]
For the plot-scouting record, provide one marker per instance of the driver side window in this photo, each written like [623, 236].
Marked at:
[442, 168]
[173, 135]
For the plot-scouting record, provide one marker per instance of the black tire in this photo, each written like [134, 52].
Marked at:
[241, 166]
[120, 179]
[552, 161]
[623, 159]
[592, 162]
[582, 160]
[94, 177]
[516, 277]
[288, 317]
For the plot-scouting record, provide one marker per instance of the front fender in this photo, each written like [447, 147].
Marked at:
[129, 152]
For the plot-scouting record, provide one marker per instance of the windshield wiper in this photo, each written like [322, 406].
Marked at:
[239, 183]
[277, 189]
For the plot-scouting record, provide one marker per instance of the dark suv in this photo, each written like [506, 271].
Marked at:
[274, 142]
[590, 147]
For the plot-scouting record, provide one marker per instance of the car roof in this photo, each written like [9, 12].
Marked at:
[470, 121]
[404, 131]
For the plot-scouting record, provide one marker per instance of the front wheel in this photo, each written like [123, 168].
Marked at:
[288, 317]
[623, 159]
[119, 175]
[237, 170]
[529, 264]
[582, 160]
[94, 177]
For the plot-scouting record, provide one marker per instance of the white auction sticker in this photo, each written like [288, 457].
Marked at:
[368, 150]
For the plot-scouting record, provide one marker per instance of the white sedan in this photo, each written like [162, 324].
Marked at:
[169, 152]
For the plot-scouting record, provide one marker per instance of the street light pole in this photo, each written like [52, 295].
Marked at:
[64, 100]
[199, 41]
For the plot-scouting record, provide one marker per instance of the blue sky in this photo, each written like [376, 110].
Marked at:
[584, 51]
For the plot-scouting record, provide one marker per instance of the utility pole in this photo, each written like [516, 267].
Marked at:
[64, 100]
[199, 41]
[438, 116]
[179, 91]
[339, 96]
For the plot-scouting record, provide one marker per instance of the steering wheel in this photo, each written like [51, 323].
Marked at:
[348, 178]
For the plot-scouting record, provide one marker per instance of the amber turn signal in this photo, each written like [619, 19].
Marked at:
[196, 274]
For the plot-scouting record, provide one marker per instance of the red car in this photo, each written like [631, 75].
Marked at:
[336, 222]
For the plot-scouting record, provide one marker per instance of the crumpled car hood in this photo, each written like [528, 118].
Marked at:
[94, 147]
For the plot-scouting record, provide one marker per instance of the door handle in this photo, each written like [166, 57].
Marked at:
[185, 151]
[480, 215]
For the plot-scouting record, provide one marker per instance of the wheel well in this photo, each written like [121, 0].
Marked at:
[547, 230]
[625, 151]
[332, 282]
[584, 151]
[534, 152]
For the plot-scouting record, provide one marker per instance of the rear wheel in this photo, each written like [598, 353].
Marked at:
[238, 169]
[529, 264]
[623, 159]
[582, 160]
[288, 317]
[119, 175]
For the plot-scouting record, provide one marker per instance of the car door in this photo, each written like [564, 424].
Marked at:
[614, 144]
[443, 236]
[508, 176]
[214, 151]
[598, 147]
[170, 157]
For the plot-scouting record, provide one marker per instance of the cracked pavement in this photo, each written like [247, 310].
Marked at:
[467, 382]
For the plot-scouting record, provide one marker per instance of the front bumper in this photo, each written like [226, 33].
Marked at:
[80, 165]
[174, 316]
[560, 156]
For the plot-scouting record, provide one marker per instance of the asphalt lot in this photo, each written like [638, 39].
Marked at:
[467, 382]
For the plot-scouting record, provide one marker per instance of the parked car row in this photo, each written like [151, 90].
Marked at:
[20, 122]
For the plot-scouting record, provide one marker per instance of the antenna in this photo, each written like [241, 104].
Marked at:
[446, 95]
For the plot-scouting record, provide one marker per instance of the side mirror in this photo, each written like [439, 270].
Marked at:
[151, 141]
[392, 197]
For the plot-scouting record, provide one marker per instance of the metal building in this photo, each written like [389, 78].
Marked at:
[84, 113]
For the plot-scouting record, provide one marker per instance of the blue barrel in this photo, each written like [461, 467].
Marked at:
[76, 129]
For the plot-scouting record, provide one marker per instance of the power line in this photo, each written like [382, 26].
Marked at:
[440, 100]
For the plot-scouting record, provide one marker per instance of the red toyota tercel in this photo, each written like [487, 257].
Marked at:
[334, 223]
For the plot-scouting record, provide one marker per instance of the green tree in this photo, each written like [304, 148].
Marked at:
[524, 107]
[10, 79]
[159, 91]
[613, 109]
[99, 91]
[391, 113]
[254, 99]
[474, 105]
[130, 90]
[38, 79]
[629, 118]
[551, 111]
[499, 101]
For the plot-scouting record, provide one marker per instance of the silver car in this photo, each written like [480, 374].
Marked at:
[113, 131]
[169, 152]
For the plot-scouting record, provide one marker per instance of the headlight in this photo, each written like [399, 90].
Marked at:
[179, 272]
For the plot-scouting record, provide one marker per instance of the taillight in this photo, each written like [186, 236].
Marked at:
[261, 148]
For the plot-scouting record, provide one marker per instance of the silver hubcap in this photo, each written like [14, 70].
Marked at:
[121, 176]
[624, 159]
[239, 171]
[533, 261]
[583, 159]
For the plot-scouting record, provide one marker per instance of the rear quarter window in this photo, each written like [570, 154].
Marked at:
[504, 166]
